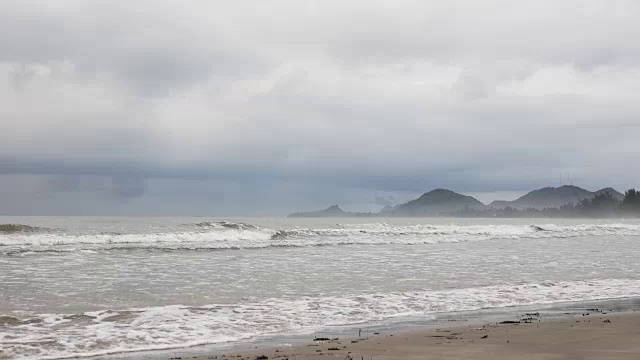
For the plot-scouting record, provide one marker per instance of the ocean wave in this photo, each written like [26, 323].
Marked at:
[55, 336]
[224, 225]
[20, 228]
[235, 236]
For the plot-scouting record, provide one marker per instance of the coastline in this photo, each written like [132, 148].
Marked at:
[596, 329]
[599, 335]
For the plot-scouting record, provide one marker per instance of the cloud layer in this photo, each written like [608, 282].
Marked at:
[353, 101]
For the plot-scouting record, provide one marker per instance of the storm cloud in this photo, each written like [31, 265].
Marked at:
[254, 108]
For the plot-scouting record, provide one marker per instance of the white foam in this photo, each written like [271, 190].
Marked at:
[106, 332]
[244, 236]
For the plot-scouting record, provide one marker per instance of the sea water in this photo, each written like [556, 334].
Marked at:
[83, 286]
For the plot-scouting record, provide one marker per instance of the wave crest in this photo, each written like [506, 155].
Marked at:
[19, 228]
[234, 236]
[225, 225]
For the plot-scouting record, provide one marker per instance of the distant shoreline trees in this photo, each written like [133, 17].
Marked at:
[601, 205]
[631, 201]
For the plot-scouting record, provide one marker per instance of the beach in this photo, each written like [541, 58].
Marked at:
[598, 334]
[154, 288]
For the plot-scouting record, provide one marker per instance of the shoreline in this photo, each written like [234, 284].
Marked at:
[347, 339]
[598, 334]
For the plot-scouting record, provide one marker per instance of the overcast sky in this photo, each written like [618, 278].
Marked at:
[267, 107]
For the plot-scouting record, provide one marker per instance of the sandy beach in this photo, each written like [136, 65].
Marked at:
[595, 335]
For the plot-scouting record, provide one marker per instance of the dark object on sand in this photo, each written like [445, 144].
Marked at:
[262, 357]
[484, 337]
[333, 349]
[509, 322]
[321, 339]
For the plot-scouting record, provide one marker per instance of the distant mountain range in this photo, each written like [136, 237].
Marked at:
[443, 202]
[552, 197]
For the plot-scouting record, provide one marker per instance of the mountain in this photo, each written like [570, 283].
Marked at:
[432, 203]
[446, 202]
[616, 194]
[331, 211]
[553, 197]
[435, 202]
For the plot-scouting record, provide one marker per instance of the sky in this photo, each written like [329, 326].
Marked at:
[265, 108]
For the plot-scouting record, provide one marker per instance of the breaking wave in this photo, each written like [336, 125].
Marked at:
[20, 228]
[170, 327]
[23, 239]
[224, 225]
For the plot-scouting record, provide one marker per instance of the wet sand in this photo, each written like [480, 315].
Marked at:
[594, 335]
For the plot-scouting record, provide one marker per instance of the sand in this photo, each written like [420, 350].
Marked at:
[598, 335]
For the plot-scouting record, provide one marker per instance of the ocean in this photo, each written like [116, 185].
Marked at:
[86, 286]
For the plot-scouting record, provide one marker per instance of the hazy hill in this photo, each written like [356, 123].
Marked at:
[616, 194]
[553, 197]
[331, 211]
[447, 202]
[436, 202]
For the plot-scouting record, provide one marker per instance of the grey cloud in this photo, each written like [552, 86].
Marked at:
[327, 97]
[20, 76]
[122, 187]
[148, 49]
[471, 87]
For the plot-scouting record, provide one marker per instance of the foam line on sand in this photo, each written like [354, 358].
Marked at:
[595, 334]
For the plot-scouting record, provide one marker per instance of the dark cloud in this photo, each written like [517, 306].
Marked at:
[120, 187]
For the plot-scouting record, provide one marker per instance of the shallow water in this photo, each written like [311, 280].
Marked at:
[86, 286]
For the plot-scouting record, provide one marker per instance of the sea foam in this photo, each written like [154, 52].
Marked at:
[55, 336]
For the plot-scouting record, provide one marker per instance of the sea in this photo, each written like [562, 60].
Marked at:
[108, 286]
